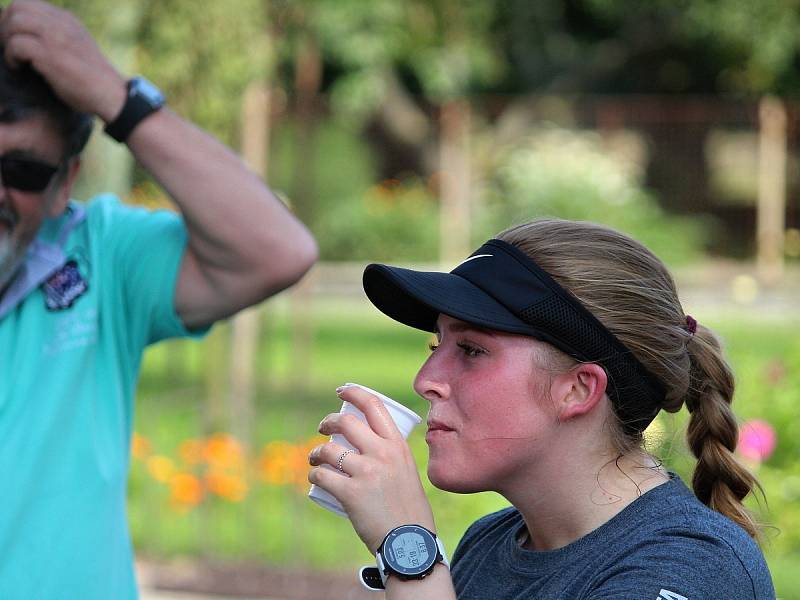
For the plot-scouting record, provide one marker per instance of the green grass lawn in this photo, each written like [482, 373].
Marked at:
[183, 395]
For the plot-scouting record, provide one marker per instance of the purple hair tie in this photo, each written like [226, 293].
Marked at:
[691, 324]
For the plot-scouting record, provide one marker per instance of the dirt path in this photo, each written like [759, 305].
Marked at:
[220, 581]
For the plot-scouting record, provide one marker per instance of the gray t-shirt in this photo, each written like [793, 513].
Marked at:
[664, 546]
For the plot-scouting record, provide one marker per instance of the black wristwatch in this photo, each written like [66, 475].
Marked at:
[407, 552]
[142, 100]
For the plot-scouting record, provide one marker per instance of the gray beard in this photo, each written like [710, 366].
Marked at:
[10, 257]
[9, 262]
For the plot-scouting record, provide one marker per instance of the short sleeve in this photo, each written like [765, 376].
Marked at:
[140, 253]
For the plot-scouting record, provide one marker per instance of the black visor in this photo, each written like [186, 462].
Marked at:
[499, 287]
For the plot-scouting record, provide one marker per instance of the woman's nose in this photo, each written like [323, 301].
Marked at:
[430, 382]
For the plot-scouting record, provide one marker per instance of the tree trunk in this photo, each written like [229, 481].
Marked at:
[308, 78]
[245, 326]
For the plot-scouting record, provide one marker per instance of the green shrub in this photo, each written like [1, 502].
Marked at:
[572, 175]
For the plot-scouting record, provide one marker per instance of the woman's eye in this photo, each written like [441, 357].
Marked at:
[470, 350]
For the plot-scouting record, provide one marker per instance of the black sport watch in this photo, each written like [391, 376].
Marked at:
[143, 99]
[408, 552]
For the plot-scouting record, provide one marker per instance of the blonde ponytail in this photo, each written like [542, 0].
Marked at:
[719, 480]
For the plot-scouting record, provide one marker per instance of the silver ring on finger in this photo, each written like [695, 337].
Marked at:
[342, 456]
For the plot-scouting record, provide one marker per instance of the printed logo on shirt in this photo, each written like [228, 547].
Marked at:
[667, 595]
[64, 287]
[72, 330]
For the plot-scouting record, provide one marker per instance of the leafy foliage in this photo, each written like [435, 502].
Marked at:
[666, 46]
[204, 55]
[445, 45]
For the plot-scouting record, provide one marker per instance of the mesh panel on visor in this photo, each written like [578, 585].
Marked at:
[625, 381]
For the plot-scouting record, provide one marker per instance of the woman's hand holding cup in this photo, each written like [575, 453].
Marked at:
[383, 489]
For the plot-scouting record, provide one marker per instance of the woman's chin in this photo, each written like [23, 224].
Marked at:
[445, 479]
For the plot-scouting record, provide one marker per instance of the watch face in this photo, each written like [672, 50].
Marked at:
[148, 91]
[410, 550]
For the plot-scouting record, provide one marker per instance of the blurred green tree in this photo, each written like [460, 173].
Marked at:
[202, 55]
[386, 66]
[662, 46]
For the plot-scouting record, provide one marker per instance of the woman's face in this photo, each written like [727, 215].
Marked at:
[490, 409]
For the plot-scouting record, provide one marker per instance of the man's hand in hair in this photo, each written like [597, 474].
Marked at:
[59, 47]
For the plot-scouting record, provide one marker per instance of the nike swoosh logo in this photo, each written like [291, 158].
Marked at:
[473, 258]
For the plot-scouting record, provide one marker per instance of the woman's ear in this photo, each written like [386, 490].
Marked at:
[579, 390]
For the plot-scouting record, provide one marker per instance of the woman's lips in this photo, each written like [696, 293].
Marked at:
[437, 429]
[436, 425]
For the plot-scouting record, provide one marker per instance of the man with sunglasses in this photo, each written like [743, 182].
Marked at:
[85, 287]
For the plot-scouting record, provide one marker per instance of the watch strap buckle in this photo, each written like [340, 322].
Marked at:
[370, 578]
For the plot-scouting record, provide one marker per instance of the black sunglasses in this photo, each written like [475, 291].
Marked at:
[25, 174]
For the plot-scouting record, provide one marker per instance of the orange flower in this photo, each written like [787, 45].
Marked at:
[192, 451]
[301, 466]
[275, 462]
[160, 468]
[224, 451]
[283, 463]
[273, 469]
[230, 487]
[185, 490]
[140, 446]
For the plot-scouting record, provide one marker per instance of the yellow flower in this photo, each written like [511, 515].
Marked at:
[160, 468]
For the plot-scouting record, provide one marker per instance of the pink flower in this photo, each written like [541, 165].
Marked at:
[757, 440]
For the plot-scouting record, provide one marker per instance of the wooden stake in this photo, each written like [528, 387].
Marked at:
[771, 209]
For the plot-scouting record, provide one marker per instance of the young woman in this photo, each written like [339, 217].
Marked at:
[558, 343]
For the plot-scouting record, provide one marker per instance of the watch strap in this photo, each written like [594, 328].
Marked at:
[442, 553]
[137, 106]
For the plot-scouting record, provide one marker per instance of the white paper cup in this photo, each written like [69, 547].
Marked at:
[404, 418]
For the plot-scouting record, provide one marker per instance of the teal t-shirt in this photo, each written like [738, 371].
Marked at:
[70, 353]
